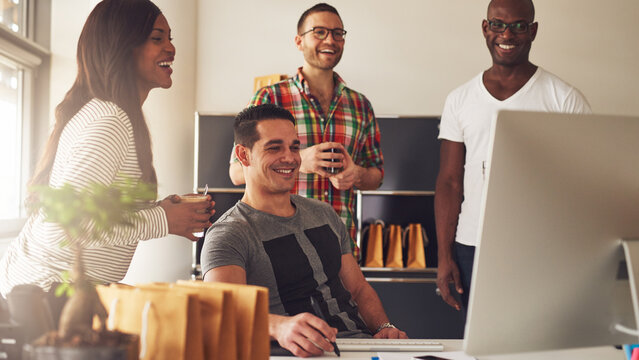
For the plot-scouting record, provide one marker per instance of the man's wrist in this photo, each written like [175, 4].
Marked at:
[384, 326]
[360, 174]
[274, 322]
[445, 251]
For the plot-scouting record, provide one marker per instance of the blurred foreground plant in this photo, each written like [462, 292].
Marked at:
[91, 212]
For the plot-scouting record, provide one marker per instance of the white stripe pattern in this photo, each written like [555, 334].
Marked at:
[97, 145]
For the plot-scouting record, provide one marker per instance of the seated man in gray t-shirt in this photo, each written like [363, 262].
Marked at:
[296, 247]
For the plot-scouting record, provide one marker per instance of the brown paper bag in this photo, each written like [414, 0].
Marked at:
[219, 321]
[159, 316]
[216, 319]
[251, 315]
[394, 258]
[417, 242]
[374, 245]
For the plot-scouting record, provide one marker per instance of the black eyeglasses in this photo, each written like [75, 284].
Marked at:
[321, 33]
[518, 27]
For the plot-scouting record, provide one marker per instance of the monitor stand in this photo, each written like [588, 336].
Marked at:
[631, 251]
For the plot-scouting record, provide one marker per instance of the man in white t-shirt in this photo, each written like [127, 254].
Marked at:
[513, 83]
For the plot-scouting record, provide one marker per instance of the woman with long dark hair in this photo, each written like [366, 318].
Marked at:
[101, 136]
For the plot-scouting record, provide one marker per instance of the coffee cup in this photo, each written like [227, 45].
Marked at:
[333, 170]
[188, 198]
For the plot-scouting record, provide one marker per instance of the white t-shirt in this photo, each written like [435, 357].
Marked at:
[468, 113]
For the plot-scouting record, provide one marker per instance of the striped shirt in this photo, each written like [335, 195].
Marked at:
[350, 121]
[96, 146]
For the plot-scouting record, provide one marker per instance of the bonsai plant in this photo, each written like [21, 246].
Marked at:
[91, 211]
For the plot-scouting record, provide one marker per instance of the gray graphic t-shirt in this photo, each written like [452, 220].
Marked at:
[295, 257]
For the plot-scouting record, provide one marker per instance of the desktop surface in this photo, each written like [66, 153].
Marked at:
[355, 344]
[449, 345]
[454, 346]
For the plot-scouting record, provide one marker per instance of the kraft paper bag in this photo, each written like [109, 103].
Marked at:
[219, 321]
[417, 242]
[216, 319]
[251, 306]
[159, 317]
[374, 245]
[394, 258]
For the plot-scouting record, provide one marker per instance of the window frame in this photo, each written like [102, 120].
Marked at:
[32, 60]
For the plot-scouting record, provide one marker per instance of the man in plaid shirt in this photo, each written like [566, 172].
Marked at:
[328, 116]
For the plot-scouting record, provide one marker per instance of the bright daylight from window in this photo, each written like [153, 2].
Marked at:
[11, 80]
[11, 14]
[10, 142]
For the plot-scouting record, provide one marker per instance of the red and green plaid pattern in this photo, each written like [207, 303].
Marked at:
[350, 121]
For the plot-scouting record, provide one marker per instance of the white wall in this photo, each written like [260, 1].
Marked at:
[406, 55]
[169, 114]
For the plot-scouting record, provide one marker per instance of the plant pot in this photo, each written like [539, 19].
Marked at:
[126, 350]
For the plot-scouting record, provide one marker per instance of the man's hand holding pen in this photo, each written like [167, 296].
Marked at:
[303, 334]
[318, 311]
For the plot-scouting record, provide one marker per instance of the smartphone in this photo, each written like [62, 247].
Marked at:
[429, 357]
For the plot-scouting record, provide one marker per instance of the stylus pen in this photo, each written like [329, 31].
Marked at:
[320, 314]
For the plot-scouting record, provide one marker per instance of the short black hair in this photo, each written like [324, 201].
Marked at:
[245, 124]
[321, 7]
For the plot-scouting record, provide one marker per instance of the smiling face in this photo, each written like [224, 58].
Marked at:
[320, 54]
[272, 164]
[508, 48]
[154, 58]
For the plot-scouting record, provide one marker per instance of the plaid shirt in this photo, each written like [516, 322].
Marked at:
[350, 121]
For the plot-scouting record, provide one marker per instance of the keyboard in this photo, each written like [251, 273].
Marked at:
[353, 344]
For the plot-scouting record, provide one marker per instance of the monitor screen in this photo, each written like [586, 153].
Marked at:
[561, 191]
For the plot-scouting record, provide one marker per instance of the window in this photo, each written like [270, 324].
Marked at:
[24, 77]
[12, 15]
[10, 139]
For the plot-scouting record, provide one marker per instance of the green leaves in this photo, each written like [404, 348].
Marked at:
[66, 287]
[94, 210]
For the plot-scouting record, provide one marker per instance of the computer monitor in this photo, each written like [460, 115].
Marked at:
[561, 191]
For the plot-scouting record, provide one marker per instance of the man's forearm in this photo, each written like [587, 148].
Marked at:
[370, 307]
[236, 173]
[368, 178]
[447, 209]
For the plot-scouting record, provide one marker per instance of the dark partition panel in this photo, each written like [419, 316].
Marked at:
[411, 162]
[409, 145]
[411, 152]
[214, 143]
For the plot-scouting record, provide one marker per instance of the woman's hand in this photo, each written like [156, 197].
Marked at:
[185, 218]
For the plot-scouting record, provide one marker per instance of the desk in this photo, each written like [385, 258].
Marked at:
[595, 353]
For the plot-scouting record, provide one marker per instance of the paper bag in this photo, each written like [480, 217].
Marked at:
[394, 258]
[374, 245]
[417, 242]
[251, 317]
[159, 317]
[218, 320]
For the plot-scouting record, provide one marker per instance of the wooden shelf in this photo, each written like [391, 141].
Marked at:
[395, 192]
